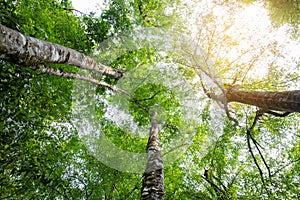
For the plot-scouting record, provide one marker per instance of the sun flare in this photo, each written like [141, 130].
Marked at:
[241, 38]
[252, 30]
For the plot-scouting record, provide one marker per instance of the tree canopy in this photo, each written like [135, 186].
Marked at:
[216, 82]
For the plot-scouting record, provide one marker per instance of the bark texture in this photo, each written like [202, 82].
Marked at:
[20, 49]
[287, 101]
[153, 177]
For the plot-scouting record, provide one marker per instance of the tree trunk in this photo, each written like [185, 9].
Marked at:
[287, 101]
[153, 177]
[20, 49]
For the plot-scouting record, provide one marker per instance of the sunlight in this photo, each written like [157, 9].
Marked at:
[87, 6]
[249, 38]
[253, 45]
[240, 36]
[252, 29]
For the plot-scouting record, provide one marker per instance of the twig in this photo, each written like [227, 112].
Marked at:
[216, 188]
[61, 73]
[281, 168]
[276, 114]
[261, 156]
[254, 158]
[223, 100]
[175, 148]
[150, 98]
[73, 9]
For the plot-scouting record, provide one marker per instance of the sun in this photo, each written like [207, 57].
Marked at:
[251, 29]
[237, 36]
[250, 43]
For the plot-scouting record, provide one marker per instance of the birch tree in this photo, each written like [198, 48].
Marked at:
[18, 48]
[39, 55]
[35, 53]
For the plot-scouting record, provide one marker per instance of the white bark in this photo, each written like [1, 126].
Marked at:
[20, 49]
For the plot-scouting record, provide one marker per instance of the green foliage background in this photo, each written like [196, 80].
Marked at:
[42, 156]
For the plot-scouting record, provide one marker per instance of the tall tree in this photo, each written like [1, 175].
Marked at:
[153, 177]
[226, 170]
[37, 52]
[46, 178]
[10, 48]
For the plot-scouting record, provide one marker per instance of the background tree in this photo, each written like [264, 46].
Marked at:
[254, 157]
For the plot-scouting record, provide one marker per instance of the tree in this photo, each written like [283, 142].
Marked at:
[153, 177]
[239, 61]
[35, 109]
[38, 52]
[263, 100]
[47, 173]
[220, 183]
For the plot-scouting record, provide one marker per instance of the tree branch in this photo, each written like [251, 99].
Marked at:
[60, 72]
[258, 114]
[254, 158]
[216, 188]
[73, 9]
[276, 114]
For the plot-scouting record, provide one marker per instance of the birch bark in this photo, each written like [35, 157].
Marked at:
[153, 177]
[20, 49]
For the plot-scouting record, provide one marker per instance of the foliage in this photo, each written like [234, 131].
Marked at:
[36, 141]
[125, 15]
[46, 20]
[285, 11]
[282, 12]
[43, 157]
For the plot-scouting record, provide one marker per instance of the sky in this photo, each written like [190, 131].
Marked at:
[86, 6]
[252, 23]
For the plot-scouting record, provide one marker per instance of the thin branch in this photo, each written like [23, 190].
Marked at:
[250, 67]
[249, 136]
[223, 100]
[172, 127]
[261, 156]
[216, 188]
[220, 182]
[235, 177]
[254, 158]
[61, 73]
[286, 165]
[276, 114]
[143, 80]
[73, 9]
[258, 114]
[212, 78]
[138, 103]
[150, 98]
[175, 148]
